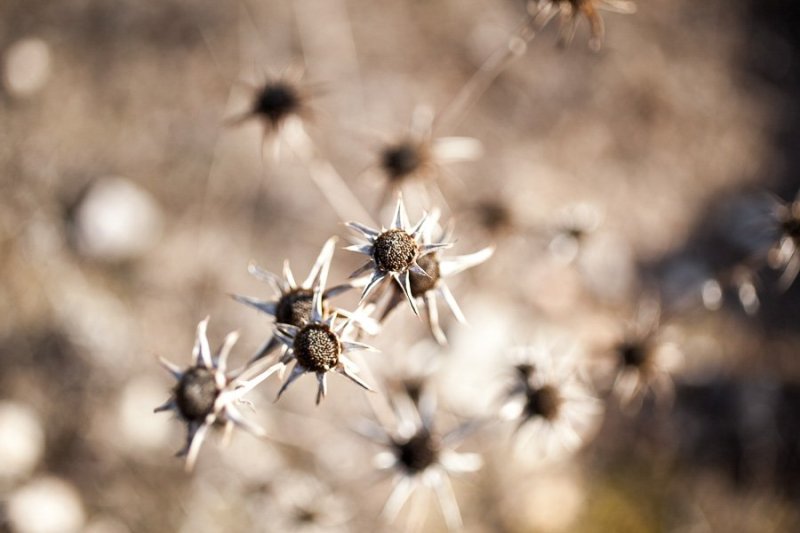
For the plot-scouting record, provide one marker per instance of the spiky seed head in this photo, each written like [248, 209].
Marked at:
[419, 452]
[395, 251]
[317, 348]
[421, 284]
[544, 401]
[276, 101]
[634, 353]
[196, 393]
[294, 307]
[402, 160]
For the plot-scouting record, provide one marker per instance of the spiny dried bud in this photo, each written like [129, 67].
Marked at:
[317, 348]
[196, 393]
[544, 401]
[276, 101]
[294, 307]
[395, 251]
[421, 284]
[419, 452]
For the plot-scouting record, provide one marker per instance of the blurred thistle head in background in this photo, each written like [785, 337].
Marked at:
[570, 12]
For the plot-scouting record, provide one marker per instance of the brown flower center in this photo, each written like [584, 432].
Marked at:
[196, 393]
[544, 402]
[633, 353]
[401, 160]
[317, 348]
[418, 453]
[276, 101]
[294, 307]
[421, 284]
[395, 251]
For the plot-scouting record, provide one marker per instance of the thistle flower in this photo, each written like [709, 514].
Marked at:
[394, 252]
[319, 346]
[421, 457]
[205, 394]
[644, 361]
[419, 156]
[426, 287]
[571, 10]
[554, 409]
[784, 253]
[293, 303]
[281, 105]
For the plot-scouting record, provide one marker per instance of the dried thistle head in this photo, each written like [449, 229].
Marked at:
[205, 394]
[570, 12]
[394, 252]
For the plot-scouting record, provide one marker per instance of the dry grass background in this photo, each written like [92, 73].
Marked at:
[659, 129]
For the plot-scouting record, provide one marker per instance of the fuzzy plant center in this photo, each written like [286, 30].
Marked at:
[317, 348]
[543, 401]
[294, 307]
[418, 453]
[395, 251]
[196, 393]
[277, 101]
[401, 160]
[634, 354]
[421, 284]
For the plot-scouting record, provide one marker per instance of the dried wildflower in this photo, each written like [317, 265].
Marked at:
[555, 411]
[419, 456]
[643, 360]
[302, 503]
[293, 303]
[572, 228]
[319, 346]
[205, 394]
[571, 10]
[784, 254]
[419, 156]
[282, 105]
[394, 252]
[426, 287]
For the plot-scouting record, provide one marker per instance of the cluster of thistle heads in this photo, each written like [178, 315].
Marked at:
[548, 401]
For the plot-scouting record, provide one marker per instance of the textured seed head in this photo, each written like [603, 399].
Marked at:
[395, 251]
[419, 452]
[421, 284]
[276, 101]
[544, 402]
[317, 348]
[196, 393]
[294, 307]
[401, 160]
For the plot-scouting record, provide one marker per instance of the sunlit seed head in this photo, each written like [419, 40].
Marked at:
[544, 401]
[634, 353]
[418, 453]
[276, 101]
[395, 251]
[421, 284]
[401, 160]
[317, 348]
[294, 307]
[196, 393]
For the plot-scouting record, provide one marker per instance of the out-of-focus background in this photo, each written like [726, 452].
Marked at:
[129, 211]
